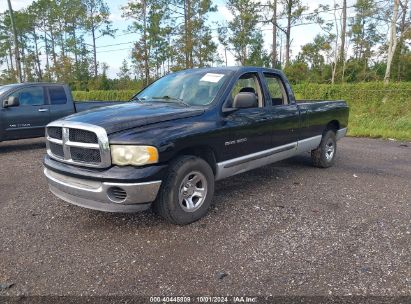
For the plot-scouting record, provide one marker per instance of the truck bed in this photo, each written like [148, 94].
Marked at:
[316, 113]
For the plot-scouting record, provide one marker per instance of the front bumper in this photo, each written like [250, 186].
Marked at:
[341, 133]
[103, 196]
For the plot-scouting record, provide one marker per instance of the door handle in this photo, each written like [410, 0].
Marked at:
[43, 110]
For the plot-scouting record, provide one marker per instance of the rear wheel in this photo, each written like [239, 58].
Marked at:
[324, 155]
[186, 193]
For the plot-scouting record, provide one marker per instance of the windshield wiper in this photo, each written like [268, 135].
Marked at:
[135, 98]
[166, 97]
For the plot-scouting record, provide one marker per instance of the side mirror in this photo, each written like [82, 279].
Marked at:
[12, 101]
[245, 100]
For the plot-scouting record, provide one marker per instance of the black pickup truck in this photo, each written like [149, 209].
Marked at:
[26, 108]
[182, 133]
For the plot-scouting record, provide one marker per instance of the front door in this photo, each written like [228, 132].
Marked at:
[30, 117]
[249, 129]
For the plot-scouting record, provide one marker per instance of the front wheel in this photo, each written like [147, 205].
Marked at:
[324, 155]
[186, 193]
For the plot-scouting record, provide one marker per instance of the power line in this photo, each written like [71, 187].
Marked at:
[114, 50]
[265, 5]
[107, 45]
[126, 33]
[264, 21]
[324, 11]
[262, 29]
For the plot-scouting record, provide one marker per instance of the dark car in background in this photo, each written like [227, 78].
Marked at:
[26, 108]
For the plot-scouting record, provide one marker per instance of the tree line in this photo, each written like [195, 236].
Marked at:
[57, 40]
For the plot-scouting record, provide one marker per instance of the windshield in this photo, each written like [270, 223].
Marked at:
[192, 88]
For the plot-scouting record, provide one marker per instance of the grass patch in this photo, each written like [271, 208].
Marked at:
[376, 110]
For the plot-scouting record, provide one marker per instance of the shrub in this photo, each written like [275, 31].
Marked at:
[376, 110]
[114, 95]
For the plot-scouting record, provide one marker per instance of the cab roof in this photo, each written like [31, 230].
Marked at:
[16, 85]
[244, 69]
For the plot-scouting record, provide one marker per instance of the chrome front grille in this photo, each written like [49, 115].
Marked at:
[83, 136]
[78, 143]
[55, 132]
[56, 150]
[85, 155]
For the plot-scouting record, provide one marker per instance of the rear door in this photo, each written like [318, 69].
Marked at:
[30, 117]
[284, 112]
[60, 102]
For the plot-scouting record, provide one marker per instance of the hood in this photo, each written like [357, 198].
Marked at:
[130, 115]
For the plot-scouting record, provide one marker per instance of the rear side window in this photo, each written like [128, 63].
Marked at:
[276, 89]
[57, 95]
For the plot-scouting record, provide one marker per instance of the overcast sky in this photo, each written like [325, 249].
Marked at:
[114, 50]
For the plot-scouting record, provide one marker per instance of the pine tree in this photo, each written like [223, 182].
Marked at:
[97, 22]
[293, 10]
[243, 29]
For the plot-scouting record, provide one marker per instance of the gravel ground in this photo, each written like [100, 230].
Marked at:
[285, 229]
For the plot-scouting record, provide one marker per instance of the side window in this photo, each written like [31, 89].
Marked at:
[248, 83]
[276, 89]
[57, 95]
[31, 96]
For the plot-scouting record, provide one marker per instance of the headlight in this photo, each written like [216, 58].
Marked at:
[124, 155]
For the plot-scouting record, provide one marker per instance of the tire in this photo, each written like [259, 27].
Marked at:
[180, 199]
[324, 155]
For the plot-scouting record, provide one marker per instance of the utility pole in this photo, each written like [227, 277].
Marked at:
[343, 36]
[16, 46]
[274, 47]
